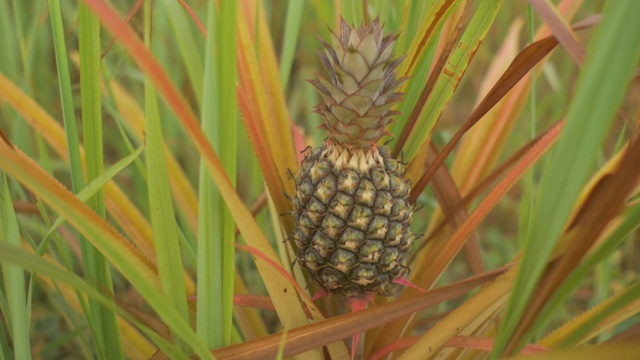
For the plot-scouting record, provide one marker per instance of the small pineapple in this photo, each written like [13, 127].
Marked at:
[351, 206]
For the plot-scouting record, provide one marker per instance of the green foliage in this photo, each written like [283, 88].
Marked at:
[199, 216]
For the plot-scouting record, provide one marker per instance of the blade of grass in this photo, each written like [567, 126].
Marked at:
[188, 46]
[453, 71]
[434, 75]
[36, 264]
[561, 30]
[66, 96]
[120, 207]
[287, 303]
[95, 186]
[447, 250]
[210, 315]
[8, 63]
[293, 19]
[601, 207]
[520, 66]
[162, 214]
[106, 334]
[64, 81]
[600, 90]
[14, 281]
[629, 223]
[216, 264]
[481, 305]
[421, 51]
[183, 193]
[627, 351]
[341, 327]
[228, 144]
[130, 262]
[625, 303]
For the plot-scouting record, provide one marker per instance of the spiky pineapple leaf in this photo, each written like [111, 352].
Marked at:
[341, 327]
[600, 208]
[17, 314]
[18, 257]
[560, 29]
[608, 70]
[120, 207]
[449, 79]
[447, 248]
[287, 303]
[129, 261]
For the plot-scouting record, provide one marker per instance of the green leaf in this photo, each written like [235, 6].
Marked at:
[163, 219]
[453, 71]
[289, 39]
[18, 317]
[216, 234]
[96, 185]
[609, 67]
[106, 334]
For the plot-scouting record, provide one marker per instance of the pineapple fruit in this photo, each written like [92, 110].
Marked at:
[351, 207]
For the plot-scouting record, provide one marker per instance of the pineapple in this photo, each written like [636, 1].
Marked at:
[351, 206]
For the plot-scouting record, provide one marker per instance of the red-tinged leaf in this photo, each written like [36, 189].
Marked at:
[483, 145]
[602, 206]
[520, 66]
[560, 29]
[131, 14]
[129, 260]
[193, 16]
[436, 15]
[356, 304]
[431, 81]
[251, 301]
[319, 294]
[5, 139]
[486, 183]
[341, 327]
[287, 305]
[275, 266]
[448, 195]
[254, 301]
[409, 284]
[468, 342]
[124, 212]
[266, 162]
[257, 65]
[299, 141]
[447, 250]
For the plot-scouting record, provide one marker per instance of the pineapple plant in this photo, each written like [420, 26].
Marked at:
[351, 206]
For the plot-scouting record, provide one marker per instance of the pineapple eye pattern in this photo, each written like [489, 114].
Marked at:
[351, 207]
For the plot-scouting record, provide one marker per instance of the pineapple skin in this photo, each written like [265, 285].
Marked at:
[351, 212]
[353, 218]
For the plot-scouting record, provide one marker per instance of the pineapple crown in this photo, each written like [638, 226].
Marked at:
[362, 85]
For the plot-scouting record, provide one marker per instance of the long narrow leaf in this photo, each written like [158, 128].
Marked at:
[103, 321]
[287, 304]
[453, 71]
[130, 262]
[162, 214]
[14, 279]
[616, 51]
